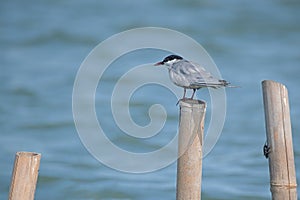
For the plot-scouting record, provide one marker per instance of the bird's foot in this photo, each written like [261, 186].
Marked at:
[184, 98]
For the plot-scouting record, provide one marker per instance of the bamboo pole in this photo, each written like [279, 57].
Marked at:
[189, 164]
[279, 140]
[24, 177]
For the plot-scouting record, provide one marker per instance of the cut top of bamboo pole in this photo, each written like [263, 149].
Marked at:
[24, 177]
[191, 119]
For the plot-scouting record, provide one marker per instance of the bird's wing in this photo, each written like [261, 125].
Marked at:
[197, 76]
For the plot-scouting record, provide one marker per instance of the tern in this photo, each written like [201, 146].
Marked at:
[190, 75]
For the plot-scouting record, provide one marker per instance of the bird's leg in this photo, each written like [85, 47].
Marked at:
[194, 90]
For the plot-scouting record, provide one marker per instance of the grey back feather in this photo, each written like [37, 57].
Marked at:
[192, 75]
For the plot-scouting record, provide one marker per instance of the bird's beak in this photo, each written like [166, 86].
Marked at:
[159, 63]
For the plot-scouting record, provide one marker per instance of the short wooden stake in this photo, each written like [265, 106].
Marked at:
[279, 139]
[189, 164]
[24, 177]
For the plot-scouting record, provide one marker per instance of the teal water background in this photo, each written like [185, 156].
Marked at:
[44, 42]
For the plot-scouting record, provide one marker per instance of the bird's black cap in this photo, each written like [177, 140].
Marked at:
[172, 57]
[168, 58]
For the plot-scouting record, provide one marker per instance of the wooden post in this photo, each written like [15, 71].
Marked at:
[279, 140]
[24, 176]
[189, 164]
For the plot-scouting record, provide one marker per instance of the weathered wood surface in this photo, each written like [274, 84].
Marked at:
[24, 177]
[279, 140]
[189, 164]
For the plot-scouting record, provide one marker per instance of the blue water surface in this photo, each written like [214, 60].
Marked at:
[44, 42]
